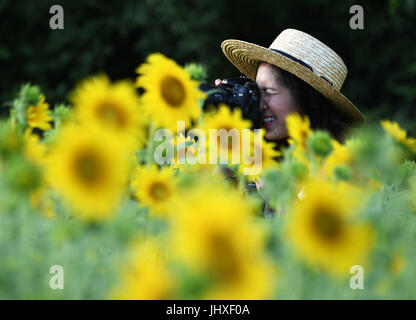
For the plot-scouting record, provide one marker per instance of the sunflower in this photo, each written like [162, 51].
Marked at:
[400, 135]
[220, 239]
[299, 131]
[147, 276]
[233, 124]
[249, 165]
[111, 106]
[341, 155]
[89, 169]
[38, 116]
[183, 147]
[155, 188]
[191, 152]
[170, 93]
[323, 230]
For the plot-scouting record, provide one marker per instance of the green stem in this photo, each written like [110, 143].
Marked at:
[241, 183]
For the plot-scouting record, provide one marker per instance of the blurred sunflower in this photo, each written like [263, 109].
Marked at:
[89, 169]
[252, 279]
[155, 188]
[233, 124]
[114, 107]
[400, 135]
[38, 115]
[170, 93]
[341, 155]
[268, 156]
[299, 131]
[221, 239]
[322, 228]
[146, 277]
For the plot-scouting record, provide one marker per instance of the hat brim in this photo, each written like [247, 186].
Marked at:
[246, 57]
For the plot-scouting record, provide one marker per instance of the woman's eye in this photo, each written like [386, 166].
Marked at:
[269, 92]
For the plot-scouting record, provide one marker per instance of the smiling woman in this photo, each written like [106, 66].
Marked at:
[285, 93]
[276, 102]
[297, 73]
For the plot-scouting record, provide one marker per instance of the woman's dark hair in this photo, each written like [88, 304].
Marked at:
[322, 114]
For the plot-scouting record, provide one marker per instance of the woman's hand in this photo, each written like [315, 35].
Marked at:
[218, 82]
[259, 183]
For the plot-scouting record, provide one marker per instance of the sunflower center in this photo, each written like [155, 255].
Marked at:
[303, 134]
[159, 191]
[228, 144]
[88, 167]
[328, 225]
[223, 256]
[173, 91]
[111, 115]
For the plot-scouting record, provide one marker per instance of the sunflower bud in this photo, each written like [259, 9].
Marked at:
[298, 170]
[342, 172]
[28, 95]
[320, 143]
[197, 71]
[61, 114]
[31, 94]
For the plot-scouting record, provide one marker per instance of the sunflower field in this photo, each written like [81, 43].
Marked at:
[81, 193]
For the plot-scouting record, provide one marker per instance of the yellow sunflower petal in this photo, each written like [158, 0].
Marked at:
[323, 230]
[89, 170]
[170, 93]
[111, 106]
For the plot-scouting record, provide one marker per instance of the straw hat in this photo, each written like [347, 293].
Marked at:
[302, 55]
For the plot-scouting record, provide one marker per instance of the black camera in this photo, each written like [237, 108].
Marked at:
[238, 92]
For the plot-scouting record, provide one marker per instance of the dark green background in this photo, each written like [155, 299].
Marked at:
[116, 36]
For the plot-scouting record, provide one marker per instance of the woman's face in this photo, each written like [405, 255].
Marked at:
[275, 104]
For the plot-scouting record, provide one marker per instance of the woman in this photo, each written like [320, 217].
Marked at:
[297, 73]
